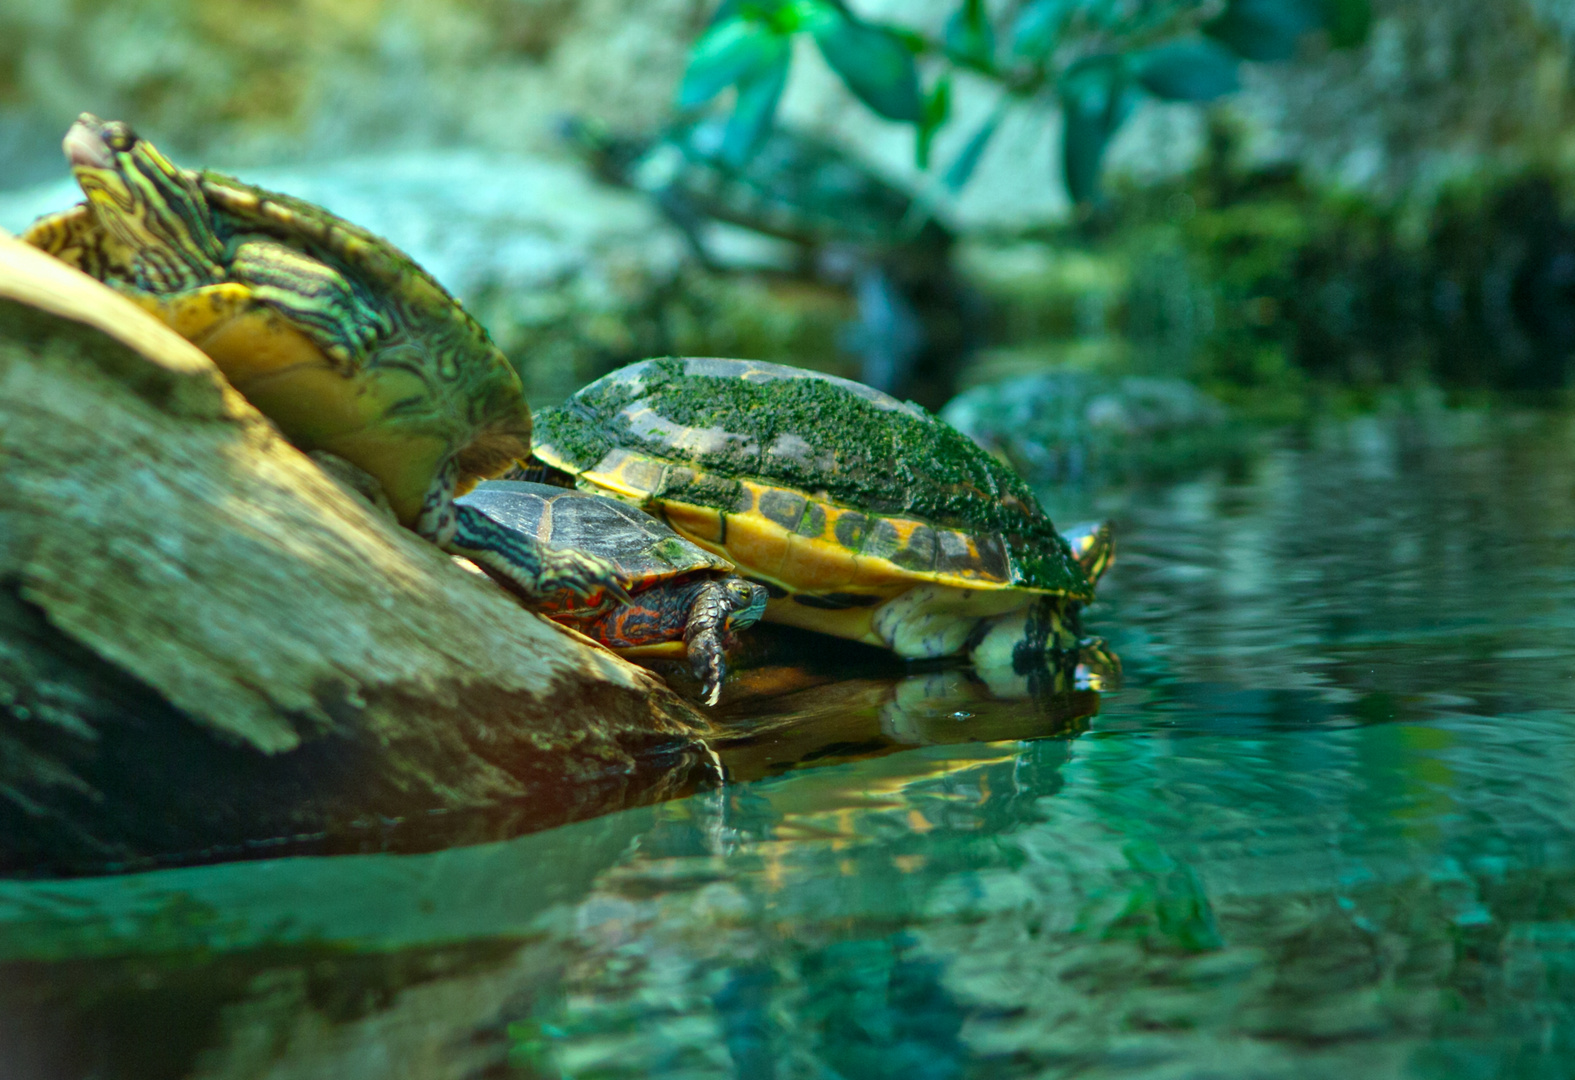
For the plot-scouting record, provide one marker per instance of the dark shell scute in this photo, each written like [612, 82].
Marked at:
[883, 541]
[993, 558]
[921, 553]
[782, 508]
[813, 521]
[850, 530]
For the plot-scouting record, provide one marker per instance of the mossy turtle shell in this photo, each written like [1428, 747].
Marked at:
[814, 483]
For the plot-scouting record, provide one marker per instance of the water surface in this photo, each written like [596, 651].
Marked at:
[1326, 828]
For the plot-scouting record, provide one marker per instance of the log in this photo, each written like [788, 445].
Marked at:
[208, 644]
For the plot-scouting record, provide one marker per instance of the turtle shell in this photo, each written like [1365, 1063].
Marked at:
[647, 551]
[826, 487]
[793, 186]
[428, 388]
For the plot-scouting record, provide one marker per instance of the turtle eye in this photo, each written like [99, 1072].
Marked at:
[119, 137]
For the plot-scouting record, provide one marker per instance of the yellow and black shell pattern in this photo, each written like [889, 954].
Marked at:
[822, 487]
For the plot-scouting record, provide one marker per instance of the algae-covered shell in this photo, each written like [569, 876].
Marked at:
[826, 488]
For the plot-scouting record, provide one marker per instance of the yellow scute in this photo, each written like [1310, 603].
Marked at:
[702, 524]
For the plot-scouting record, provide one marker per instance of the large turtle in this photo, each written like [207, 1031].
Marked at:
[864, 516]
[333, 333]
[682, 596]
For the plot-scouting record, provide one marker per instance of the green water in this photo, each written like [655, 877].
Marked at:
[1326, 828]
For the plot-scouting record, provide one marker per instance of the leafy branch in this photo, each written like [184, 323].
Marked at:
[1094, 59]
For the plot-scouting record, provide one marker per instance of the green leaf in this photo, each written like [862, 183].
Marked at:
[727, 53]
[963, 165]
[785, 16]
[937, 107]
[753, 112]
[1199, 70]
[969, 37]
[876, 66]
[812, 15]
[729, 9]
[1265, 30]
[1037, 28]
[1095, 100]
[1348, 22]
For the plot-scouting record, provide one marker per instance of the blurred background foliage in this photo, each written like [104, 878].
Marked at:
[1092, 58]
[1279, 203]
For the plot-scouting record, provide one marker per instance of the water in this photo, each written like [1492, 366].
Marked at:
[1326, 828]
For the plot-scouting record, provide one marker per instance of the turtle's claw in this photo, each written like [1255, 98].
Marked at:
[582, 574]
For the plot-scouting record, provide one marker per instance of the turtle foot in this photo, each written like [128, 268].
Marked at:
[710, 669]
[583, 574]
[704, 639]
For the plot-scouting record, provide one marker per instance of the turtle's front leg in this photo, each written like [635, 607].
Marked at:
[536, 571]
[718, 606]
[703, 638]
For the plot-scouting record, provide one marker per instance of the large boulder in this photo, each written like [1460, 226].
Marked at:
[206, 643]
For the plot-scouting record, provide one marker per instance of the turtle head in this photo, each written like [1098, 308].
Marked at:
[747, 601]
[153, 214]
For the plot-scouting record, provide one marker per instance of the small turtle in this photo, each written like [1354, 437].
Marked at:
[794, 186]
[342, 340]
[1069, 427]
[864, 516]
[916, 320]
[681, 596]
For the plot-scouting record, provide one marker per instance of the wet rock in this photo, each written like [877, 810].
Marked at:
[206, 643]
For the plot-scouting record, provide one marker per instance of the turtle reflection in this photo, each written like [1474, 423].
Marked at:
[791, 706]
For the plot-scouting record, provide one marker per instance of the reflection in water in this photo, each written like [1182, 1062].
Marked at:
[1324, 829]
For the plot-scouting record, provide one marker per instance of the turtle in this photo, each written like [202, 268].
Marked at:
[865, 517]
[853, 228]
[682, 597]
[1070, 427]
[343, 341]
